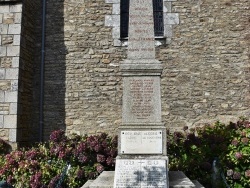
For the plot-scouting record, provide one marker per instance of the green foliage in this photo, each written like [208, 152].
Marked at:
[71, 161]
[193, 151]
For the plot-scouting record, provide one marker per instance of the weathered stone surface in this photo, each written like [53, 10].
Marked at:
[177, 179]
[137, 173]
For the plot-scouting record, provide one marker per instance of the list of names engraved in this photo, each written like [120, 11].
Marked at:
[142, 97]
[140, 173]
[141, 30]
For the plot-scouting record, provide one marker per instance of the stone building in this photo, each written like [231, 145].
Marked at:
[60, 64]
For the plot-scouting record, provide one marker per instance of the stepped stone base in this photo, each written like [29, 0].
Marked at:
[177, 179]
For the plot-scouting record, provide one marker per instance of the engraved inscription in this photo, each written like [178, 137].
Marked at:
[141, 30]
[142, 93]
[141, 142]
[140, 174]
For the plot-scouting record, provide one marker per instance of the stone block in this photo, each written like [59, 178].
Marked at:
[14, 29]
[140, 173]
[1, 96]
[10, 121]
[16, 40]
[141, 98]
[14, 85]
[116, 32]
[1, 18]
[16, 8]
[7, 39]
[3, 29]
[18, 18]
[167, 7]
[171, 18]
[4, 8]
[12, 73]
[106, 180]
[8, 18]
[87, 184]
[11, 96]
[13, 50]
[15, 62]
[112, 20]
[3, 51]
[13, 109]
[112, 1]
[13, 135]
[116, 8]
[1, 121]
[168, 31]
[178, 179]
[197, 184]
[141, 142]
[2, 74]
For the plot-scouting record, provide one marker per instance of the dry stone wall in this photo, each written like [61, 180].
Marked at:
[206, 65]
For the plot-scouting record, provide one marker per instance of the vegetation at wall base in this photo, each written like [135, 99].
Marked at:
[69, 161]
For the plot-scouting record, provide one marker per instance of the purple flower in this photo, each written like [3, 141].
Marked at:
[236, 175]
[235, 142]
[238, 155]
[83, 159]
[58, 136]
[245, 140]
[35, 180]
[53, 182]
[80, 174]
[110, 161]
[99, 168]
[100, 158]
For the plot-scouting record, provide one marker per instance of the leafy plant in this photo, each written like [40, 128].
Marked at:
[194, 151]
[69, 161]
[64, 161]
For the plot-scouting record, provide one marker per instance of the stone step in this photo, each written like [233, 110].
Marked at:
[177, 179]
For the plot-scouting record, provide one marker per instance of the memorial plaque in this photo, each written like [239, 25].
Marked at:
[141, 142]
[140, 173]
[141, 96]
[141, 30]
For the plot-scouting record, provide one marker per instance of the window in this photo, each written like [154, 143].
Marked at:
[158, 18]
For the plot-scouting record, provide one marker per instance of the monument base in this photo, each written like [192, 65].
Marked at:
[177, 179]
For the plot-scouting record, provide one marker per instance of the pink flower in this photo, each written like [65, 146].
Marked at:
[235, 142]
[100, 158]
[247, 173]
[244, 140]
[238, 155]
[99, 168]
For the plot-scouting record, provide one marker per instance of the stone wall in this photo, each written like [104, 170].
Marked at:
[17, 44]
[206, 74]
[10, 30]
[206, 66]
[205, 77]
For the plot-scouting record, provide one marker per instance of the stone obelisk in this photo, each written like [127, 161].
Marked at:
[142, 156]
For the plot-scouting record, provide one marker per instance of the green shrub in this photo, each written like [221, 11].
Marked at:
[69, 162]
[193, 151]
[73, 160]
